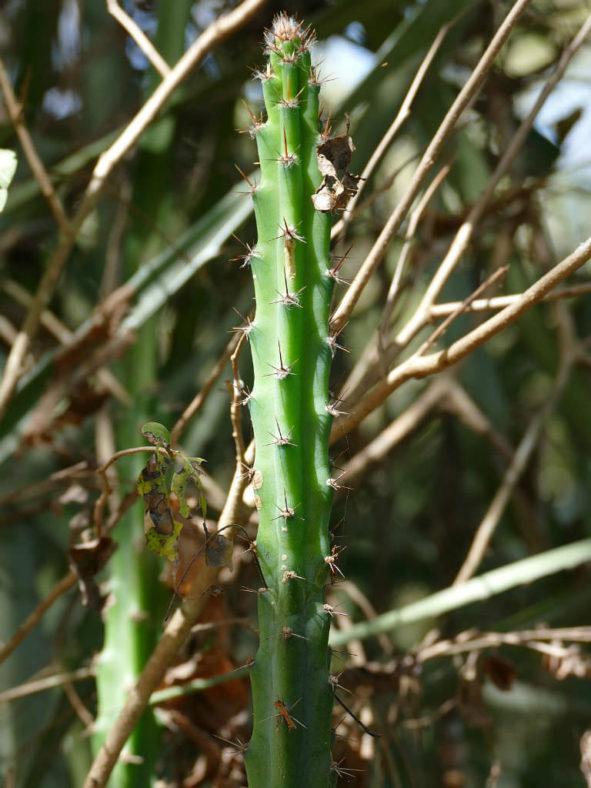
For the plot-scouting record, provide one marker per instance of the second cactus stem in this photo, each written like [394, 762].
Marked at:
[289, 407]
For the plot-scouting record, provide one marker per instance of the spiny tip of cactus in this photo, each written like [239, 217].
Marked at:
[287, 29]
[331, 560]
[284, 28]
[281, 440]
[245, 329]
[287, 512]
[289, 299]
[335, 483]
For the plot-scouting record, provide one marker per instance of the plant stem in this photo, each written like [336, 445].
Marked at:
[478, 588]
[292, 698]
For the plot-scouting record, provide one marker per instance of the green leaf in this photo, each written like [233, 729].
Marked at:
[162, 536]
[156, 434]
[8, 163]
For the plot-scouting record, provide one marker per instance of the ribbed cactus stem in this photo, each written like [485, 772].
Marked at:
[292, 697]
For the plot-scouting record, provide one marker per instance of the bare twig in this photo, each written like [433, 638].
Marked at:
[477, 641]
[457, 402]
[422, 366]
[499, 302]
[463, 99]
[356, 595]
[465, 232]
[397, 430]
[76, 703]
[15, 112]
[101, 501]
[397, 123]
[65, 337]
[405, 253]
[461, 308]
[478, 588]
[45, 683]
[236, 405]
[37, 488]
[137, 34]
[200, 398]
[59, 589]
[519, 461]
[493, 514]
[217, 32]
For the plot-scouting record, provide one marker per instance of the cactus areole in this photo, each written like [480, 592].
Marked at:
[290, 411]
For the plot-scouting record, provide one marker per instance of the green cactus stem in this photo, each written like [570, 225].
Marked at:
[289, 406]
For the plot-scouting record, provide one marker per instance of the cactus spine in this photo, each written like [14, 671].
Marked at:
[289, 337]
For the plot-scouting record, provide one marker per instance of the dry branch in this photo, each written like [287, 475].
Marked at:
[215, 34]
[141, 39]
[422, 366]
[463, 99]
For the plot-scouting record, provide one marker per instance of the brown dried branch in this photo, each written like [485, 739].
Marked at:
[461, 309]
[59, 589]
[500, 302]
[45, 683]
[66, 337]
[236, 405]
[422, 366]
[15, 113]
[463, 99]
[399, 429]
[62, 586]
[405, 252]
[521, 457]
[477, 641]
[464, 235]
[401, 118]
[456, 401]
[217, 32]
[137, 34]
[200, 398]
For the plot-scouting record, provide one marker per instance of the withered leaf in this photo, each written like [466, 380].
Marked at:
[334, 154]
[86, 560]
[500, 671]
[571, 663]
[338, 185]
[218, 551]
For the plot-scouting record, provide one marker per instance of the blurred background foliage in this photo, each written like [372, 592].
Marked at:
[165, 223]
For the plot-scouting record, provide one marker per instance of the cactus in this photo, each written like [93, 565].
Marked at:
[290, 411]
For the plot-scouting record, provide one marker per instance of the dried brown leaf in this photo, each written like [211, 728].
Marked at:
[86, 560]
